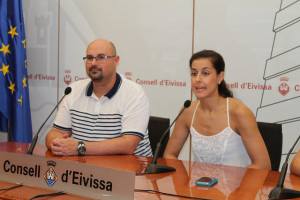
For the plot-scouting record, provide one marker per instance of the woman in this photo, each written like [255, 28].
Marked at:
[295, 164]
[223, 130]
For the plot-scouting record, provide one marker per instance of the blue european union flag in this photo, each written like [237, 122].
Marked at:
[14, 94]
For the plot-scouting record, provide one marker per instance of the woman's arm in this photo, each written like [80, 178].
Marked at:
[295, 165]
[178, 137]
[245, 124]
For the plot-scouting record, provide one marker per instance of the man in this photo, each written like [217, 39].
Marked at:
[106, 114]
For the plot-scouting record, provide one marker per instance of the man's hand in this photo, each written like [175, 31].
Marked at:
[64, 146]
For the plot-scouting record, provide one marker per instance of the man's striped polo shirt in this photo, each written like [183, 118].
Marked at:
[124, 110]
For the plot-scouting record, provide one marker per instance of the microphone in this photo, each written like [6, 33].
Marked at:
[34, 140]
[283, 193]
[154, 168]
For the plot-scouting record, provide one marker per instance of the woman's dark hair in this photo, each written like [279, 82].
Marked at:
[219, 65]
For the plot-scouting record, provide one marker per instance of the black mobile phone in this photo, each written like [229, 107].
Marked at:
[206, 181]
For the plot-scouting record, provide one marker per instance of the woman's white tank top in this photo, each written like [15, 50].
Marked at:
[226, 147]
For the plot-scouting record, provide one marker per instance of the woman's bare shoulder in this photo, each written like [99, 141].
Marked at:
[189, 112]
[238, 109]
[241, 117]
[192, 107]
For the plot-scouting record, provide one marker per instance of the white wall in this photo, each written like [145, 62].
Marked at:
[155, 41]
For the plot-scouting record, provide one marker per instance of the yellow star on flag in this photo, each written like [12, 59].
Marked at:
[5, 49]
[24, 82]
[4, 69]
[21, 100]
[25, 63]
[12, 87]
[24, 42]
[13, 31]
[20, 148]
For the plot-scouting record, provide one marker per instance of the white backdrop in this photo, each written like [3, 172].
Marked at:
[155, 41]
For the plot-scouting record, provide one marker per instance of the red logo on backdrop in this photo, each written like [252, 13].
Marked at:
[284, 88]
[128, 75]
[68, 78]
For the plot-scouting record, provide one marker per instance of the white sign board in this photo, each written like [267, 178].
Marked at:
[70, 177]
